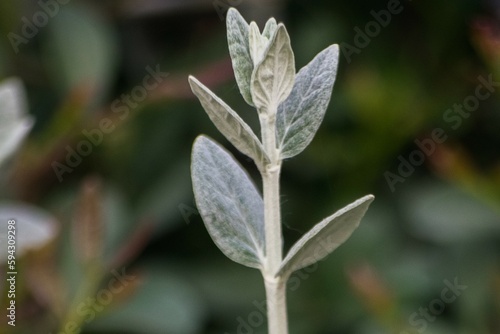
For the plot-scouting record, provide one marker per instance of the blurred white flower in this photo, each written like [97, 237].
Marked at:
[15, 123]
[34, 228]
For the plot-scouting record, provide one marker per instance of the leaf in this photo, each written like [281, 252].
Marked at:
[259, 42]
[270, 28]
[239, 49]
[14, 121]
[272, 80]
[300, 116]
[228, 202]
[230, 124]
[325, 236]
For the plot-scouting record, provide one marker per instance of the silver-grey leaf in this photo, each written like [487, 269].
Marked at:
[273, 78]
[257, 42]
[325, 236]
[230, 205]
[270, 28]
[15, 122]
[300, 116]
[239, 50]
[229, 123]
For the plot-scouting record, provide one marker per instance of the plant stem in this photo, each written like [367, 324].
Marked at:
[275, 286]
[272, 220]
[276, 306]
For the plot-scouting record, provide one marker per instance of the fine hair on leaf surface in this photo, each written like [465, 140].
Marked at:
[325, 237]
[272, 79]
[229, 203]
[229, 123]
[239, 49]
[301, 114]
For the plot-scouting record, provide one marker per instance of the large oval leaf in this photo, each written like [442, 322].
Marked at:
[325, 237]
[230, 205]
[301, 114]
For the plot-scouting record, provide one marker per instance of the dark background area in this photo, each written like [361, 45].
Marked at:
[435, 222]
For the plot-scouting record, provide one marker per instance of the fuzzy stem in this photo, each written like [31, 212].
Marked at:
[275, 286]
[276, 306]
[270, 179]
[272, 219]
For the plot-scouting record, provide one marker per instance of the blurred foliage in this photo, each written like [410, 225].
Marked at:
[127, 205]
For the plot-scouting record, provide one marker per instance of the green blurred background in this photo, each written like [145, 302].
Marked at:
[435, 221]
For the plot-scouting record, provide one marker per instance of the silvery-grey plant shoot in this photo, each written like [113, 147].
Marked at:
[243, 224]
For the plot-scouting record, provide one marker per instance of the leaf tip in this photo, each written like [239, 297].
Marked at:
[232, 11]
[200, 139]
[192, 80]
[368, 198]
[194, 84]
[233, 16]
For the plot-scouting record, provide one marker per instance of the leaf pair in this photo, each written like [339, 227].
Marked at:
[233, 212]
